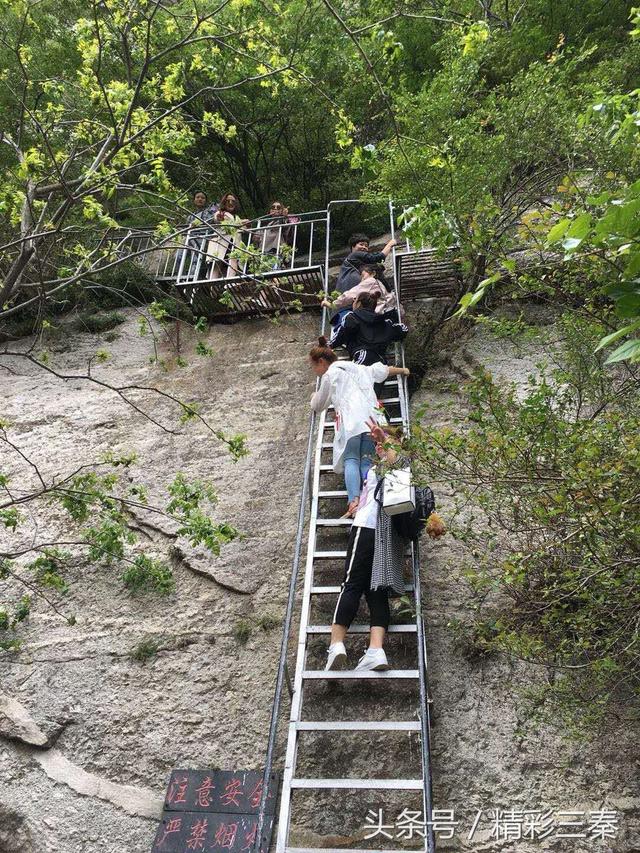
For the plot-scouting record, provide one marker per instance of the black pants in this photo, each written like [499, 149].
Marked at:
[357, 580]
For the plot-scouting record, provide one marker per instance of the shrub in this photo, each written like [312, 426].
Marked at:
[96, 323]
[242, 631]
[145, 574]
[145, 650]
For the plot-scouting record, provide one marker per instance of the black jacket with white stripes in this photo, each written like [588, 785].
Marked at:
[366, 335]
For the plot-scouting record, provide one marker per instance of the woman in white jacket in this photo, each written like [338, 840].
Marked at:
[349, 388]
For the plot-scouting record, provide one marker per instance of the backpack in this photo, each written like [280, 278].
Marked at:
[409, 525]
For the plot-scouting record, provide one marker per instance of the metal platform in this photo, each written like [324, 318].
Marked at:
[250, 296]
[271, 268]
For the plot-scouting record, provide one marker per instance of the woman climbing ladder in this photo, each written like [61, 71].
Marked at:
[373, 567]
[349, 388]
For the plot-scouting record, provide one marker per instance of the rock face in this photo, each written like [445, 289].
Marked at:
[204, 697]
[16, 724]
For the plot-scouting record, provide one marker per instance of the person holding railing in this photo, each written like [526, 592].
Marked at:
[373, 565]
[359, 255]
[276, 230]
[226, 237]
[365, 334]
[349, 388]
[369, 283]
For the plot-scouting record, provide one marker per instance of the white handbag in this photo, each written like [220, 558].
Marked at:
[399, 493]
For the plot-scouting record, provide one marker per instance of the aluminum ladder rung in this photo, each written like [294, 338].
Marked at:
[353, 675]
[363, 629]
[331, 424]
[334, 590]
[334, 522]
[336, 493]
[367, 784]
[338, 555]
[358, 726]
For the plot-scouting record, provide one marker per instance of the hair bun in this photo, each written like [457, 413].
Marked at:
[322, 341]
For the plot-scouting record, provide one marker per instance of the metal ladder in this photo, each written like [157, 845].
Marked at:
[291, 782]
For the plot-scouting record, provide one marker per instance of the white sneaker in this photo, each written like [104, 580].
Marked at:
[337, 656]
[373, 659]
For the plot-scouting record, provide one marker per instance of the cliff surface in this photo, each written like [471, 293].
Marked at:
[88, 734]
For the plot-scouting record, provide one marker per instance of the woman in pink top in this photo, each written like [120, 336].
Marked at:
[368, 284]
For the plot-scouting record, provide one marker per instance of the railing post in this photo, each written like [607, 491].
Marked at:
[183, 257]
[293, 248]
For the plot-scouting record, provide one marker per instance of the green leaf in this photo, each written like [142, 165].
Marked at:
[580, 227]
[614, 336]
[633, 265]
[628, 305]
[558, 231]
[630, 350]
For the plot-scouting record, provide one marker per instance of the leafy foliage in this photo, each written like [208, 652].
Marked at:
[147, 574]
[97, 506]
[554, 476]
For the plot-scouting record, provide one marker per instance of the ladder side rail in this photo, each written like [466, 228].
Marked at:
[273, 726]
[425, 734]
[301, 657]
[288, 619]
[415, 564]
[400, 361]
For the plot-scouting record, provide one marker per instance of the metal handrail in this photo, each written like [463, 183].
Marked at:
[425, 723]
[282, 665]
[302, 247]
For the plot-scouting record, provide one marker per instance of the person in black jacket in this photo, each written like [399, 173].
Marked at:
[358, 256]
[365, 334]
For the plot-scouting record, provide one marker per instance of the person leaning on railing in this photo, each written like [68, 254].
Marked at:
[349, 388]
